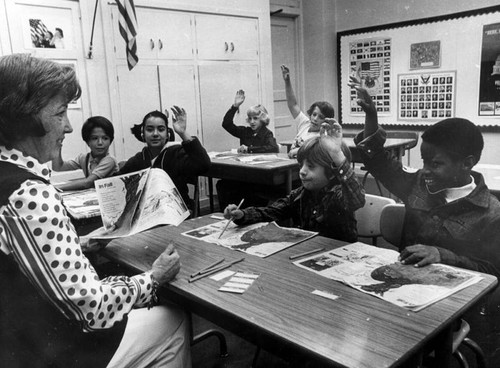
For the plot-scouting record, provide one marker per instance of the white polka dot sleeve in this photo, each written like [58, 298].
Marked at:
[36, 229]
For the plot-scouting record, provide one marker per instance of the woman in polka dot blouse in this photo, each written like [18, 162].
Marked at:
[54, 309]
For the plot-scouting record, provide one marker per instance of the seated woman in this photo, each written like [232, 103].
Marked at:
[98, 133]
[256, 138]
[180, 162]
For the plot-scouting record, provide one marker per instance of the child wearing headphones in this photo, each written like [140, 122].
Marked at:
[98, 133]
[180, 162]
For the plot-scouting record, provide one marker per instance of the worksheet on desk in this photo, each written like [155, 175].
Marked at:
[261, 239]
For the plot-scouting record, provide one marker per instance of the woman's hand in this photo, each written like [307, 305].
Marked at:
[166, 266]
[239, 98]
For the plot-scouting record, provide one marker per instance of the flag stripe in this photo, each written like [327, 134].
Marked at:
[128, 29]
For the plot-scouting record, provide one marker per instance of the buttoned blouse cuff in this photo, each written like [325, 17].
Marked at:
[344, 171]
[372, 144]
[145, 295]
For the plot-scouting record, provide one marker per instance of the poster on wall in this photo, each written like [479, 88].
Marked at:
[489, 80]
[426, 96]
[370, 63]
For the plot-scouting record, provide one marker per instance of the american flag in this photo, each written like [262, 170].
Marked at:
[370, 69]
[128, 29]
[38, 30]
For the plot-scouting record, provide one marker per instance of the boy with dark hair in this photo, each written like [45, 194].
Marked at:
[98, 133]
[451, 217]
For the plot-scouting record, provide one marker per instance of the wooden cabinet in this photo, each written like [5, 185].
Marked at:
[226, 38]
[162, 35]
[161, 87]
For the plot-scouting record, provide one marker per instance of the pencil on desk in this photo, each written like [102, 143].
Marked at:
[203, 270]
[231, 219]
[215, 270]
[306, 253]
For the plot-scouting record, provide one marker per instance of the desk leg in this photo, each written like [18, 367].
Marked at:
[288, 182]
[443, 350]
[211, 193]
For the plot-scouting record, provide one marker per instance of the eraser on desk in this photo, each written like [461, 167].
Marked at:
[217, 217]
[325, 294]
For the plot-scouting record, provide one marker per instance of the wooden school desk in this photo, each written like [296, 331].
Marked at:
[279, 313]
[274, 173]
[397, 146]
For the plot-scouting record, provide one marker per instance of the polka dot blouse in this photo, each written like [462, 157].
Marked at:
[36, 229]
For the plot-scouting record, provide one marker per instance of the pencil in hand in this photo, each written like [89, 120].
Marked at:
[231, 219]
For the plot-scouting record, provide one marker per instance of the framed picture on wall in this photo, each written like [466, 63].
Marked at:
[425, 55]
[426, 96]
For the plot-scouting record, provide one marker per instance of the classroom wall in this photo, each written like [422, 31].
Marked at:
[324, 18]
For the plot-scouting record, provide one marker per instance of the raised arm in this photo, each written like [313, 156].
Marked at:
[291, 99]
[366, 103]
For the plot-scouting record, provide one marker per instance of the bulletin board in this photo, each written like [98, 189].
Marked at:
[422, 71]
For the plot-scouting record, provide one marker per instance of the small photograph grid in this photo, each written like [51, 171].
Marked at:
[426, 96]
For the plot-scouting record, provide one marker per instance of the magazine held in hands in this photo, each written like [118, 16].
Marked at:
[134, 202]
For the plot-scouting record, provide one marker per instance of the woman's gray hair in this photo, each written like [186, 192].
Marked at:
[27, 85]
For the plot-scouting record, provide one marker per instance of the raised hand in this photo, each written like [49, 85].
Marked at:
[239, 98]
[166, 266]
[179, 120]
[285, 72]
[364, 99]
[331, 139]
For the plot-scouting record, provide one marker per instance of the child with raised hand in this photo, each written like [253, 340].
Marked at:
[98, 133]
[307, 126]
[181, 162]
[451, 216]
[328, 197]
[256, 138]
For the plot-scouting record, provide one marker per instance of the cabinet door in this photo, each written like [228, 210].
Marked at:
[136, 102]
[218, 86]
[177, 87]
[161, 35]
[226, 38]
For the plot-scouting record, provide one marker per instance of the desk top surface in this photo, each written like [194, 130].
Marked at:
[238, 160]
[389, 143]
[355, 330]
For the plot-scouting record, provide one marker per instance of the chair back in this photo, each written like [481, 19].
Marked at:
[195, 182]
[368, 217]
[391, 223]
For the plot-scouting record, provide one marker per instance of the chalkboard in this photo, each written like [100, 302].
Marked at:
[422, 71]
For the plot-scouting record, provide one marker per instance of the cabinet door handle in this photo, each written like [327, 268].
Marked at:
[152, 43]
[232, 47]
[226, 46]
[160, 44]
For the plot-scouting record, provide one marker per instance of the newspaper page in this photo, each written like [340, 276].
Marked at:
[261, 239]
[376, 271]
[138, 201]
[81, 204]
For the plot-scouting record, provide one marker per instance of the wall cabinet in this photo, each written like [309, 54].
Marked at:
[170, 73]
[226, 38]
[162, 35]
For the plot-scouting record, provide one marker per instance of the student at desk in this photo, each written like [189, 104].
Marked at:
[307, 126]
[256, 138]
[98, 133]
[328, 197]
[451, 217]
[181, 161]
